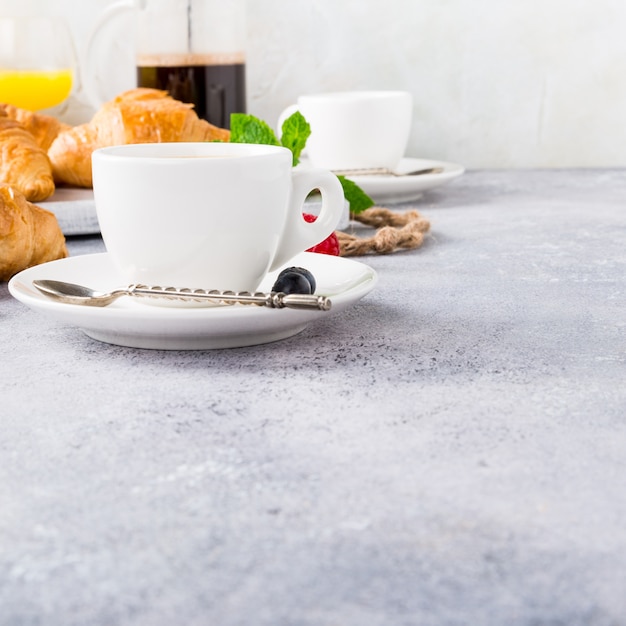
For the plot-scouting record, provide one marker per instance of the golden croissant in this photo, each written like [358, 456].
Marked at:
[137, 116]
[29, 235]
[44, 128]
[23, 164]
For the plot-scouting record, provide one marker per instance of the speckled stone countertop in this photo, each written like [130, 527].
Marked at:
[450, 450]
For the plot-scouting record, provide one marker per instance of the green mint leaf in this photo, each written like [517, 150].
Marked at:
[249, 129]
[356, 197]
[295, 132]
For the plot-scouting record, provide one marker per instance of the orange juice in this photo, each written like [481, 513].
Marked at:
[35, 89]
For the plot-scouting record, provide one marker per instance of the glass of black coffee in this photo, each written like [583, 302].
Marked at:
[214, 83]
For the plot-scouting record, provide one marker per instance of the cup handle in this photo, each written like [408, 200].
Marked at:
[92, 86]
[298, 234]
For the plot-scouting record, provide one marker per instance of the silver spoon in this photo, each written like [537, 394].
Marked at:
[71, 293]
[383, 171]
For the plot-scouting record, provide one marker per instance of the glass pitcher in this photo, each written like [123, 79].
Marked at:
[194, 49]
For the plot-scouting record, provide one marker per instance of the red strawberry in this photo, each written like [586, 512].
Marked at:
[330, 245]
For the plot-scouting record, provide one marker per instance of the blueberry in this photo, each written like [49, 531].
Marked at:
[295, 280]
[305, 272]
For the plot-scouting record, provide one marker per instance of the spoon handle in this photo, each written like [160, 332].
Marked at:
[383, 171]
[273, 300]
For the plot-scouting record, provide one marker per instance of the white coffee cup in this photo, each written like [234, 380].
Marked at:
[207, 215]
[355, 129]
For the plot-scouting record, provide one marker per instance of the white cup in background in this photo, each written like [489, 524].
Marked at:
[355, 129]
[207, 215]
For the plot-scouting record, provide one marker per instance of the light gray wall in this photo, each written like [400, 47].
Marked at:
[496, 83]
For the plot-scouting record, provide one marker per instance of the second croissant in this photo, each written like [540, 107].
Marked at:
[137, 116]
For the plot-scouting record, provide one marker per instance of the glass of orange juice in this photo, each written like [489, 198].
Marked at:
[37, 62]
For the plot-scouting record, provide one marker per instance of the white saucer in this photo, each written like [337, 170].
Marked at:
[128, 322]
[403, 189]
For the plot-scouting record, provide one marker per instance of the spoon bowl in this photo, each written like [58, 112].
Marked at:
[71, 293]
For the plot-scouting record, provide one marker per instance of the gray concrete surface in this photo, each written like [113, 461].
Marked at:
[451, 450]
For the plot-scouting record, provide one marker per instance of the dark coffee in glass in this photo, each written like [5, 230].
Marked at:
[215, 86]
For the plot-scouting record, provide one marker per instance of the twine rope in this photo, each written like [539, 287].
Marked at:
[395, 231]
